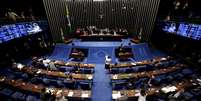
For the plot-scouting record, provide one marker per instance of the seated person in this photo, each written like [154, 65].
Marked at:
[17, 65]
[130, 83]
[76, 67]
[61, 97]
[52, 66]
[44, 96]
[151, 80]
[34, 61]
[123, 53]
[142, 95]
[77, 54]
[40, 64]
[75, 50]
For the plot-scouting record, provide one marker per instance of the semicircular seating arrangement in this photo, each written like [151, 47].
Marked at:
[162, 78]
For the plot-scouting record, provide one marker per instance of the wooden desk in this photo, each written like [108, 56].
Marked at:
[36, 71]
[71, 64]
[102, 37]
[78, 55]
[129, 64]
[37, 88]
[144, 74]
[133, 64]
[117, 94]
[126, 55]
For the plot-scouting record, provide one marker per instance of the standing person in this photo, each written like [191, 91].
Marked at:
[142, 96]
[108, 60]
[12, 16]
[31, 15]
[22, 15]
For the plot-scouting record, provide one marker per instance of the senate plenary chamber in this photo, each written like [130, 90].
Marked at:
[100, 50]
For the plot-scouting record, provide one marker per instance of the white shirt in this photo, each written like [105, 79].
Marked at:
[62, 99]
[52, 66]
[142, 98]
[107, 60]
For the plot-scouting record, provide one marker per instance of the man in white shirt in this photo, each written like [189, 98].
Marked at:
[108, 60]
[142, 96]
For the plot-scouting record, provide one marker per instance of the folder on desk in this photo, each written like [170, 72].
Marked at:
[116, 96]
[70, 93]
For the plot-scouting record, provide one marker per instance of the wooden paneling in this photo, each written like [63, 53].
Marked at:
[130, 14]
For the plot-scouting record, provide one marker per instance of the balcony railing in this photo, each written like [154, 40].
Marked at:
[5, 21]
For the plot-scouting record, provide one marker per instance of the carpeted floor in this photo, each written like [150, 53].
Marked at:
[102, 90]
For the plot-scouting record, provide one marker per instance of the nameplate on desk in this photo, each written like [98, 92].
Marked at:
[70, 93]
[138, 62]
[85, 95]
[67, 63]
[132, 63]
[38, 72]
[90, 77]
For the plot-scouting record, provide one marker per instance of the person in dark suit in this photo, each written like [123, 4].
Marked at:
[44, 96]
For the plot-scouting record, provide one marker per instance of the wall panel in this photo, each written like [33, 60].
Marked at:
[130, 14]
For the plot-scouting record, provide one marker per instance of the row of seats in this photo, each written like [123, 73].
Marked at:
[161, 80]
[149, 67]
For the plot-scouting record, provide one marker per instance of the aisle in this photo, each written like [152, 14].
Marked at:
[101, 90]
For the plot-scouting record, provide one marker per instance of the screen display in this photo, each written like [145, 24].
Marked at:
[192, 31]
[9, 32]
[22, 29]
[170, 27]
[33, 28]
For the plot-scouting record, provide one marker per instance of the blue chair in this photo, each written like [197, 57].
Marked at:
[62, 69]
[85, 85]
[37, 80]
[53, 83]
[87, 71]
[70, 85]
[128, 70]
[114, 71]
[187, 72]
[119, 85]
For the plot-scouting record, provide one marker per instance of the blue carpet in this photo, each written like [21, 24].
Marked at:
[144, 52]
[101, 89]
[97, 54]
[61, 52]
